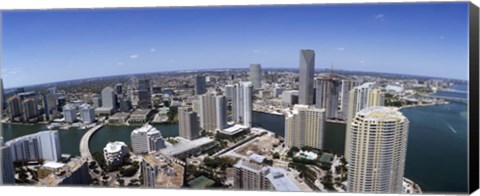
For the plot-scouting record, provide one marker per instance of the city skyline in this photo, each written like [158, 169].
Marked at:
[404, 39]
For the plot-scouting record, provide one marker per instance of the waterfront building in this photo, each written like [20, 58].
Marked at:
[73, 173]
[327, 90]
[15, 108]
[140, 116]
[87, 113]
[144, 94]
[42, 145]
[30, 109]
[213, 114]
[307, 69]
[146, 139]
[305, 126]
[125, 105]
[162, 171]
[242, 104]
[251, 175]
[255, 75]
[70, 114]
[345, 88]
[7, 171]
[119, 118]
[361, 97]
[50, 111]
[200, 85]
[108, 102]
[289, 98]
[378, 140]
[115, 153]
[188, 123]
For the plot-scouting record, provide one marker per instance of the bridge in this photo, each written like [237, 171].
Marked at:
[452, 91]
[451, 99]
[84, 148]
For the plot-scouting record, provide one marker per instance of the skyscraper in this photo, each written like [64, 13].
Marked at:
[307, 69]
[144, 94]
[361, 97]
[87, 113]
[378, 140]
[305, 126]
[30, 109]
[108, 98]
[200, 85]
[119, 88]
[256, 75]
[41, 145]
[49, 106]
[146, 139]
[242, 104]
[327, 90]
[7, 171]
[346, 86]
[15, 107]
[69, 113]
[213, 113]
[188, 124]
[229, 92]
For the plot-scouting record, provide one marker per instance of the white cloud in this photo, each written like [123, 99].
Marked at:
[134, 56]
[153, 49]
[339, 49]
[380, 17]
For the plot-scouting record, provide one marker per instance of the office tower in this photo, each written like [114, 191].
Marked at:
[213, 115]
[256, 75]
[49, 107]
[146, 139]
[125, 105]
[108, 99]
[200, 85]
[69, 113]
[307, 69]
[119, 88]
[61, 101]
[41, 145]
[289, 98]
[87, 113]
[361, 97]
[221, 112]
[378, 140]
[305, 126]
[97, 102]
[144, 94]
[250, 175]
[277, 90]
[7, 171]
[229, 92]
[327, 90]
[188, 124]
[15, 107]
[30, 109]
[115, 153]
[242, 104]
[346, 86]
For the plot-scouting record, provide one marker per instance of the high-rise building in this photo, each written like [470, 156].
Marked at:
[146, 139]
[327, 90]
[119, 88]
[229, 92]
[188, 123]
[361, 97]
[144, 94]
[49, 106]
[97, 102]
[200, 85]
[346, 87]
[87, 113]
[213, 115]
[305, 126]
[256, 75]
[307, 69]
[30, 109]
[70, 114]
[108, 98]
[7, 171]
[289, 98]
[277, 90]
[15, 107]
[378, 140]
[242, 104]
[41, 145]
[115, 153]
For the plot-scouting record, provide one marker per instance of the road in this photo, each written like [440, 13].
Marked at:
[84, 148]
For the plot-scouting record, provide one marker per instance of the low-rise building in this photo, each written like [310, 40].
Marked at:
[115, 153]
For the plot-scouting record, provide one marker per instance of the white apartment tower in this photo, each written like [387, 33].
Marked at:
[304, 126]
[242, 104]
[188, 123]
[146, 139]
[378, 140]
[213, 115]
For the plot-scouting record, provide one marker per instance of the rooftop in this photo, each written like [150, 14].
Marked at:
[113, 147]
[257, 158]
[280, 180]
[380, 113]
[233, 129]
[185, 145]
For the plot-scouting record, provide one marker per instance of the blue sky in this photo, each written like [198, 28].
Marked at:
[56, 45]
